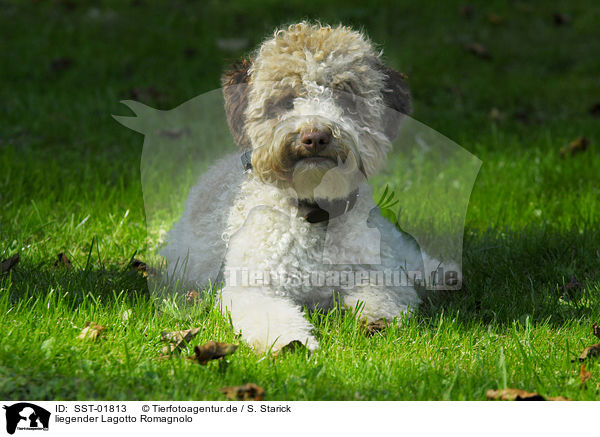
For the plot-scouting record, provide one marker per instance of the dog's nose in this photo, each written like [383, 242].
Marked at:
[315, 141]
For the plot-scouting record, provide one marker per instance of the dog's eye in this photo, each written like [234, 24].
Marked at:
[275, 107]
[347, 101]
[287, 102]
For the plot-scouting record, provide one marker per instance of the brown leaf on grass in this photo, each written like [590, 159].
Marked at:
[525, 116]
[595, 110]
[189, 52]
[213, 351]
[570, 287]
[91, 331]
[145, 94]
[593, 350]
[478, 50]
[516, 394]
[136, 264]
[455, 91]
[291, 347]
[192, 296]
[513, 394]
[248, 392]
[9, 263]
[177, 339]
[62, 261]
[467, 11]
[139, 266]
[494, 19]
[374, 327]
[60, 64]
[590, 352]
[560, 19]
[584, 375]
[69, 5]
[579, 144]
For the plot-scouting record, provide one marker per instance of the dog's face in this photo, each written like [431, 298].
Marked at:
[317, 107]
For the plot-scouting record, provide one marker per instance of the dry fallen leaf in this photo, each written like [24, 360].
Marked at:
[596, 329]
[189, 52]
[62, 261]
[560, 19]
[584, 375]
[177, 339]
[60, 64]
[570, 287]
[374, 327]
[213, 351]
[495, 19]
[513, 394]
[178, 336]
[192, 296]
[69, 5]
[516, 394]
[525, 116]
[590, 352]
[291, 347]
[145, 94]
[136, 264]
[478, 50]
[92, 331]
[248, 392]
[467, 11]
[9, 263]
[579, 144]
[139, 266]
[595, 110]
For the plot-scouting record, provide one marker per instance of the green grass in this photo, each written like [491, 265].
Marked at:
[70, 182]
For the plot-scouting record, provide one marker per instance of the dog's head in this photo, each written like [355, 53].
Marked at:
[315, 100]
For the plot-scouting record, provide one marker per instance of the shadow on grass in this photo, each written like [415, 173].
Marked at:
[508, 276]
[27, 280]
[511, 275]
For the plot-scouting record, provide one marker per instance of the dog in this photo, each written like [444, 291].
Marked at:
[314, 111]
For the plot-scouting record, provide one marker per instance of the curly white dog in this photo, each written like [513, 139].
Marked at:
[315, 111]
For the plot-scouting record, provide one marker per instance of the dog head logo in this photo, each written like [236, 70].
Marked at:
[26, 416]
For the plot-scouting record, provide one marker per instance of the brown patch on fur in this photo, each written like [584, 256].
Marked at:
[235, 91]
[396, 95]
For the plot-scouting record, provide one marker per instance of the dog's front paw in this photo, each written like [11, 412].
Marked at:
[267, 322]
[266, 345]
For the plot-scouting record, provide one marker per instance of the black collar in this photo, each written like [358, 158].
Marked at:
[325, 210]
[313, 211]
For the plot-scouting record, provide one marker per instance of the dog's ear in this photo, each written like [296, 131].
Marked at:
[396, 95]
[235, 91]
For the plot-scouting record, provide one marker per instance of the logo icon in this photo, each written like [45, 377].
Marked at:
[26, 416]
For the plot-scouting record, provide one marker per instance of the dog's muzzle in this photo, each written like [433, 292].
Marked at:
[313, 212]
